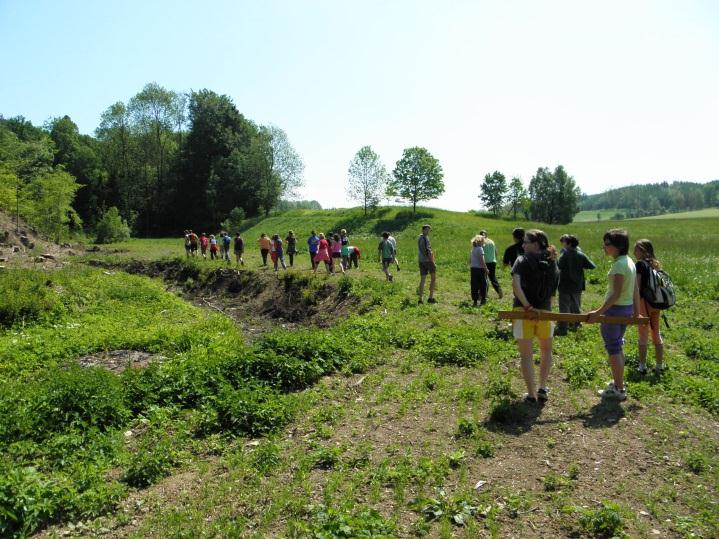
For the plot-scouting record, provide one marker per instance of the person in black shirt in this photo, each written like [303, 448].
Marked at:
[513, 251]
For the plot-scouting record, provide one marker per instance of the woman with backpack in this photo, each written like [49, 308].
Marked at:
[534, 281]
[646, 263]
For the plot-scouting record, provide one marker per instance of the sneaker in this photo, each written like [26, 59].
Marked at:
[500, 294]
[543, 394]
[390, 278]
[659, 369]
[528, 399]
[613, 393]
[431, 300]
[642, 370]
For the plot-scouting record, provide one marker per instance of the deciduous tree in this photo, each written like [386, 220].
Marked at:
[517, 196]
[367, 178]
[417, 176]
[493, 190]
[555, 196]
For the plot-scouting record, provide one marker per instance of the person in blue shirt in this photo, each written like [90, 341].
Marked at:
[313, 242]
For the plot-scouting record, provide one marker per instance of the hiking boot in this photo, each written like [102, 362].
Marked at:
[659, 369]
[543, 394]
[528, 399]
[611, 392]
[431, 300]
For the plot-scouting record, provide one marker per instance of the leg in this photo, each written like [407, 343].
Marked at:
[483, 286]
[474, 276]
[616, 362]
[492, 269]
[545, 365]
[432, 284]
[422, 279]
[564, 307]
[527, 365]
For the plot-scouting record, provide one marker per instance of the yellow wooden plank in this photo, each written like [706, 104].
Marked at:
[570, 317]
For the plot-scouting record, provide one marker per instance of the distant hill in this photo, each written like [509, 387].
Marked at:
[655, 198]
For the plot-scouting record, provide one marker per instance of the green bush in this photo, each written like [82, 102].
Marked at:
[26, 296]
[112, 228]
[152, 461]
[604, 522]
[328, 523]
[252, 411]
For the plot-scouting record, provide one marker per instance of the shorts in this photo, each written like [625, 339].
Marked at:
[528, 329]
[386, 263]
[427, 267]
[336, 255]
[613, 334]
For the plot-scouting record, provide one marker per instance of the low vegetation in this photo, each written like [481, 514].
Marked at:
[367, 416]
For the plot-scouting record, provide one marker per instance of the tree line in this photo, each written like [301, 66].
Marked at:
[655, 198]
[164, 160]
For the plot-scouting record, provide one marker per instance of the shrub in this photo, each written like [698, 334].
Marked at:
[330, 523]
[26, 296]
[253, 410]
[112, 228]
[604, 522]
[152, 461]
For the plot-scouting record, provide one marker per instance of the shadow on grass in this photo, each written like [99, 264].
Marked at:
[513, 417]
[604, 414]
[401, 221]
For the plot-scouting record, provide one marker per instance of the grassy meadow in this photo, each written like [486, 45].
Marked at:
[398, 420]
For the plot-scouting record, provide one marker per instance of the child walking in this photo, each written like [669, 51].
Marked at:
[323, 255]
[622, 299]
[534, 281]
[646, 262]
[276, 252]
[478, 271]
[386, 254]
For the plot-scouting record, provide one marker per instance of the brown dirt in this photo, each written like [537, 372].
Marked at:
[118, 360]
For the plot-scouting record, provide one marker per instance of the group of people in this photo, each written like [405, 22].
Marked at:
[218, 247]
[539, 271]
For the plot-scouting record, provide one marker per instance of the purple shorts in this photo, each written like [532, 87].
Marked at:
[613, 334]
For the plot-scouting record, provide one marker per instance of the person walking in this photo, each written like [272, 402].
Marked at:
[265, 246]
[534, 281]
[277, 253]
[646, 262]
[291, 241]
[239, 248]
[204, 244]
[572, 263]
[336, 253]
[478, 271]
[427, 266]
[490, 259]
[213, 247]
[323, 254]
[226, 242]
[621, 299]
[313, 243]
[513, 251]
[386, 254]
[393, 241]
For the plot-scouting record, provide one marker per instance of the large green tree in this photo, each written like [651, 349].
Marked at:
[367, 178]
[554, 195]
[493, 190]
[516, 196]
[417, 176]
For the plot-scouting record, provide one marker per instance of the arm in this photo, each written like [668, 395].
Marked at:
[618, 281]
[588, 264]
[482, 263]
[637, 311]
[519, 293]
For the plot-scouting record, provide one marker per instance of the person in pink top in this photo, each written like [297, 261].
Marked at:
[323, 254]
[336, 252]
[204, 243]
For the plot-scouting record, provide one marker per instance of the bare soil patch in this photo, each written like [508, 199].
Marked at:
[118, 360]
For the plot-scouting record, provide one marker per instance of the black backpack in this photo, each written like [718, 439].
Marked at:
[542, 280]
[659, 289]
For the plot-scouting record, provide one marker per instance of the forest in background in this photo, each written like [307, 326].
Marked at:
[655, 198]
[166, 160]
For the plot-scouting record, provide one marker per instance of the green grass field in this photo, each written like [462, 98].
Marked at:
[706, 213]
[387, 419]
[585, 216]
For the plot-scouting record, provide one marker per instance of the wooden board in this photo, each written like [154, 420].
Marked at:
[569, 317]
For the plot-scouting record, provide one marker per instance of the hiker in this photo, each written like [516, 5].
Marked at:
[265, 246]
[426, 265]
[187, 243]
[386, 254]
[513, 251]
[276, 252]
[478, 271]
[490, 259]
[345, 249]
[646, 262]
[323, 254]
[204, 243]
[393, 241]
[534, 281]
[572, 263]
[291, 241]
[621, 299]
[336, 252]
[354, 255]
[193, 243]
[226, 242]
[239, 248]
[213, 247]
[313, 244]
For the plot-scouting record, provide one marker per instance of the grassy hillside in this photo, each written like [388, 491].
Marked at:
[376, 418]
[697, 214]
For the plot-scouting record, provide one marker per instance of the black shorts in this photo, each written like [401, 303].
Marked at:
[336, 255]
[427, 267]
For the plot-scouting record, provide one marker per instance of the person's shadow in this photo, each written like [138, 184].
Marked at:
[604, 414]
[513, 417]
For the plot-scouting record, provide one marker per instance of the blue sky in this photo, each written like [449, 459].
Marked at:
[618, 92]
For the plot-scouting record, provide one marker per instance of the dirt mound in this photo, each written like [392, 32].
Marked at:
[22, 245]
[256, 300]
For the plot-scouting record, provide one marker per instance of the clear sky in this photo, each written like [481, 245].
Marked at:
[619, 92]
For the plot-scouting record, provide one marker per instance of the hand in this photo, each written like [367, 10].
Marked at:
[593, 316]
